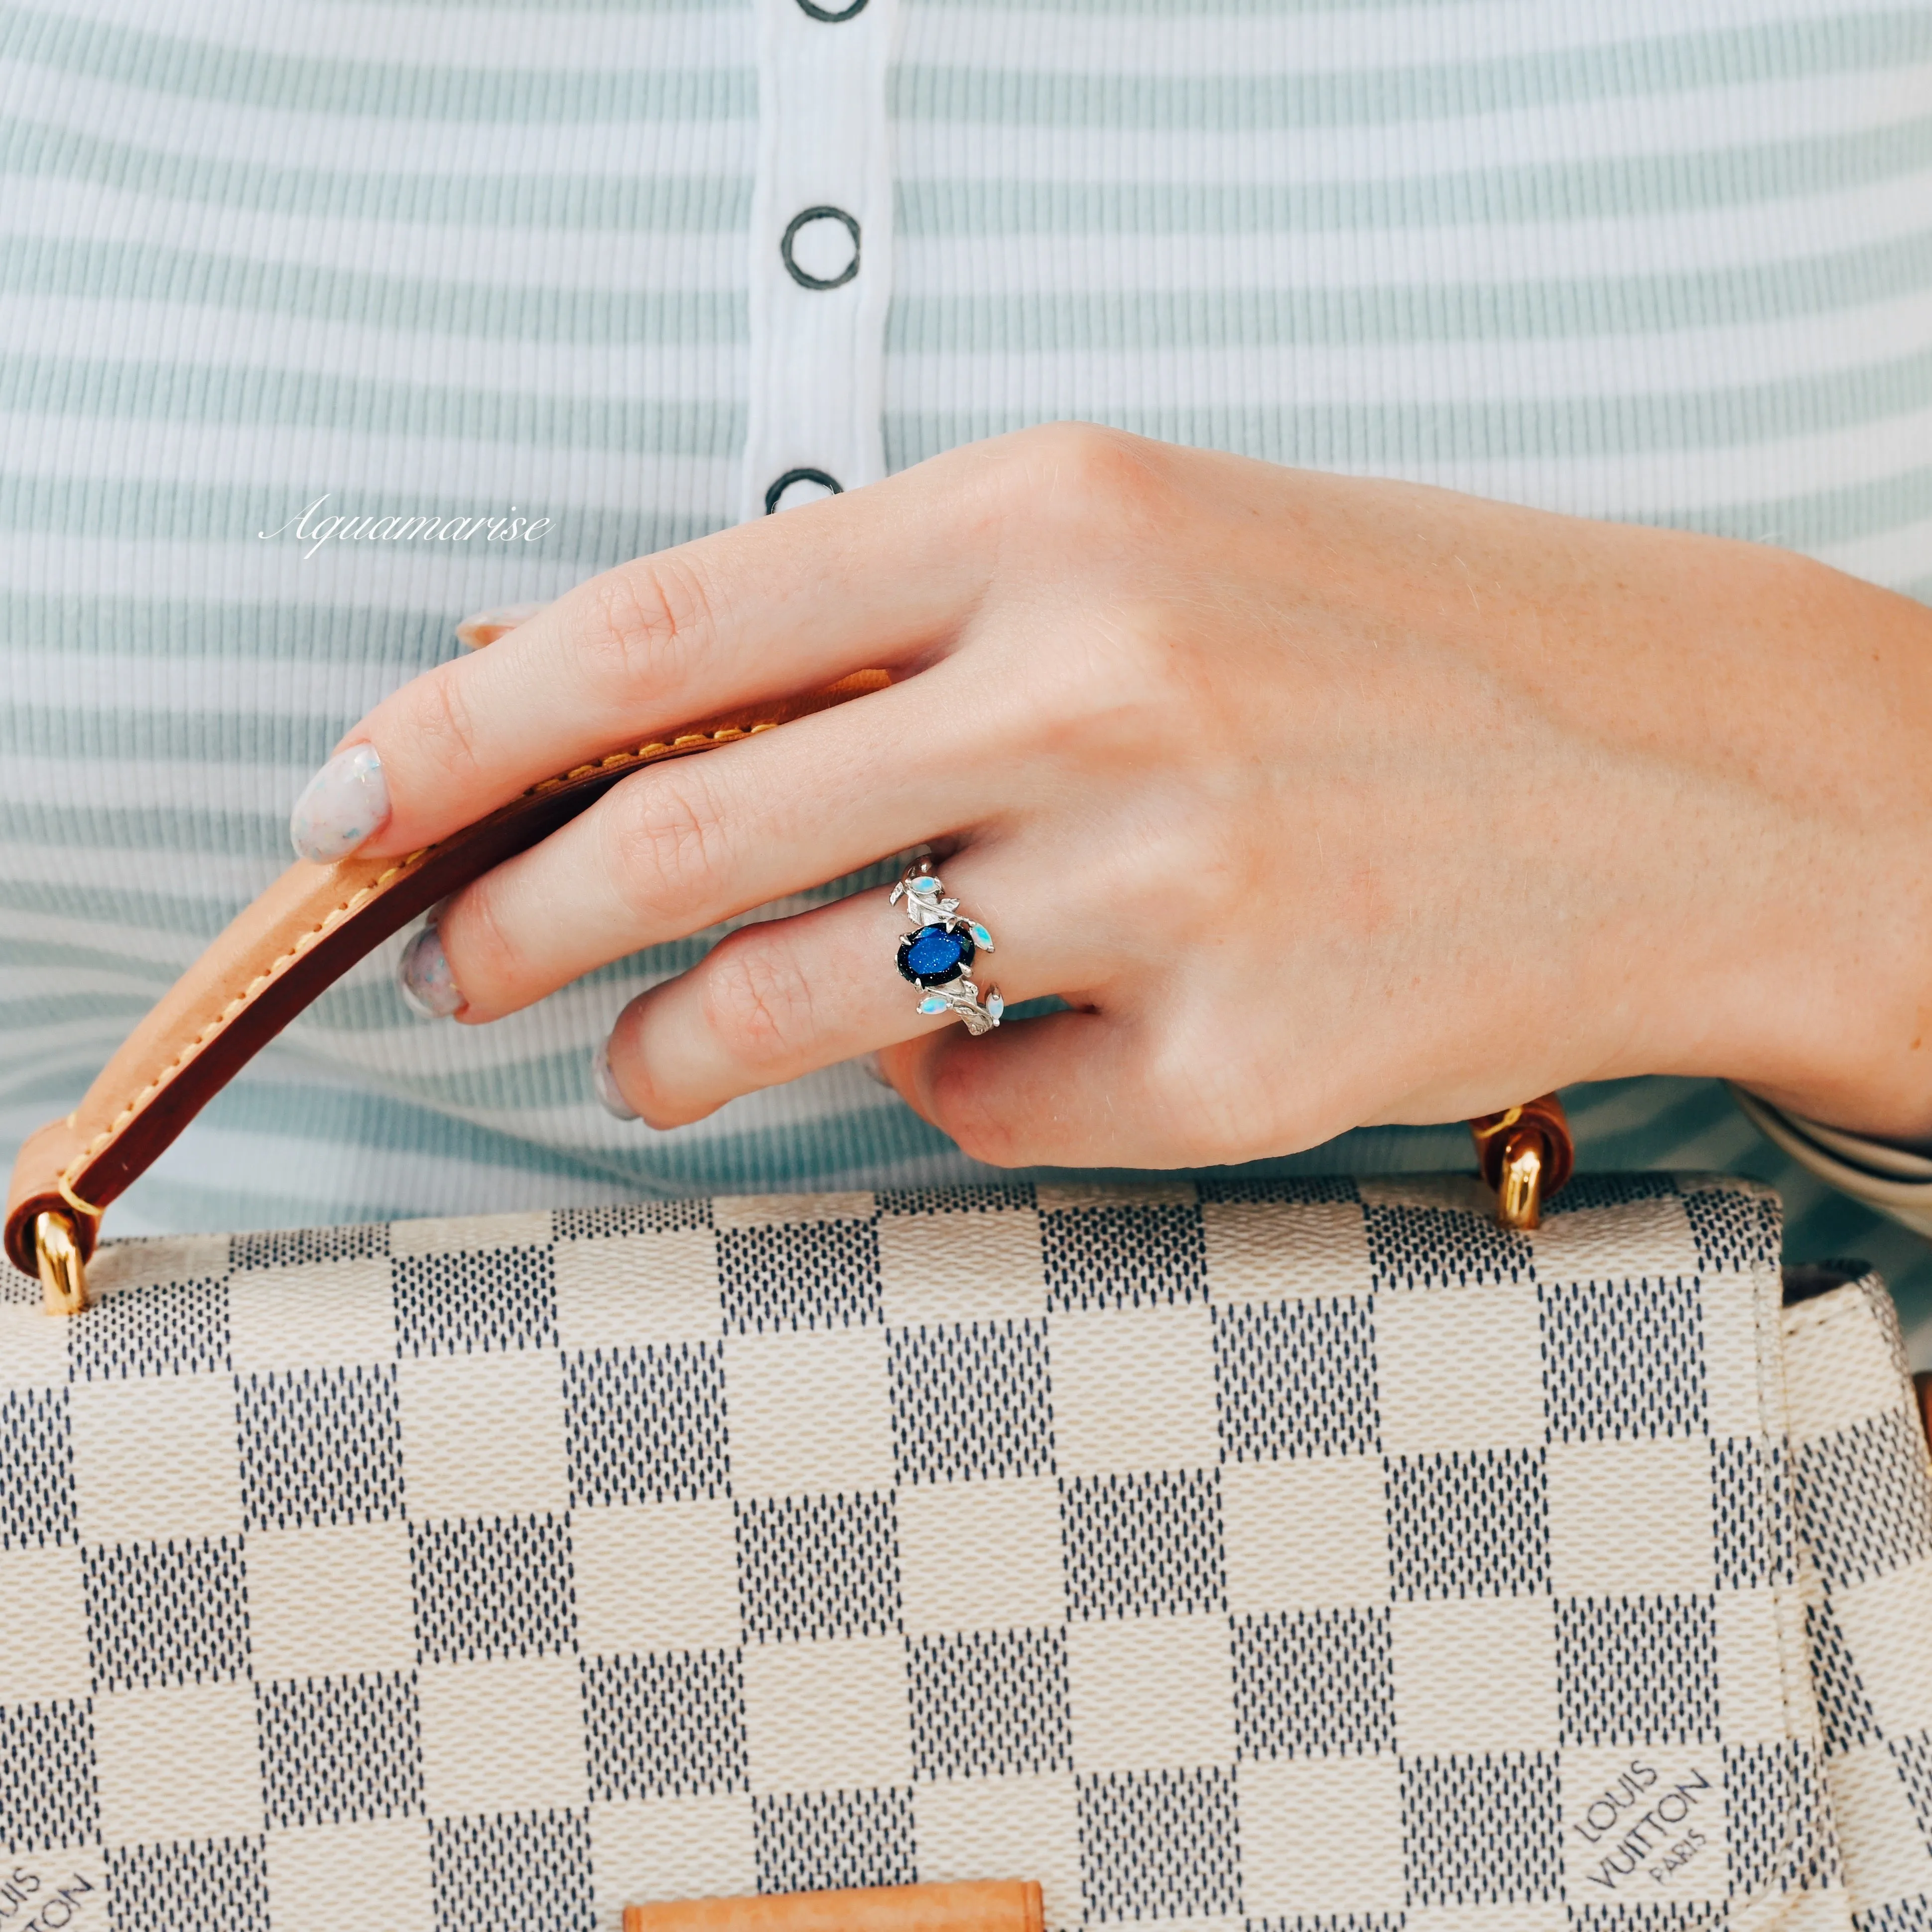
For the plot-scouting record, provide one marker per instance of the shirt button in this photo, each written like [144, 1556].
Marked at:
[813, 232]
[835, 14]
[803, 486]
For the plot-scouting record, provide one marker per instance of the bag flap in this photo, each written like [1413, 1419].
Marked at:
[1261, 1549]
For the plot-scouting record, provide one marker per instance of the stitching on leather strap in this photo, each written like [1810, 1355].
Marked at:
[64, 1179]
[74, 1201]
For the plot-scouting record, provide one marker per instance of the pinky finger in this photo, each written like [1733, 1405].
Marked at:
[1066, 1090]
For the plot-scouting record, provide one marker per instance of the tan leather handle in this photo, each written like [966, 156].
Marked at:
[1002, 1905]
[299, 937]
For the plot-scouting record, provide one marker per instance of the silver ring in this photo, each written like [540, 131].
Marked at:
[937, 954]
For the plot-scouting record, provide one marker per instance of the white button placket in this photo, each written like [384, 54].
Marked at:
[821, 251]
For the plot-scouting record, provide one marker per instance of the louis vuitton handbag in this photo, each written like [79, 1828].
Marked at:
[1303, 1556]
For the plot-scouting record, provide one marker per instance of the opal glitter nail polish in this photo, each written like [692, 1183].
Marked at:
[423, 974]
[346, 802]
[613, 1102]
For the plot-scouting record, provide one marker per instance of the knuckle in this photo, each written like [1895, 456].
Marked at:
[1088, 476]
[663, 839]
[757, 1000]
[645, 618]
[440, 729]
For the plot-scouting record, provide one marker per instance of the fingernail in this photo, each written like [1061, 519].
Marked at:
[423, 974]
[346, 802]
[613, 1102]
[485, 627]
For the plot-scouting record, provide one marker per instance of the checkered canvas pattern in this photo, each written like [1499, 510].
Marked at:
[1310, 1556]
[1863, 1489]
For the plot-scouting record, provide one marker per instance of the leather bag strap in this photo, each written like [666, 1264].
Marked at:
[297, 939]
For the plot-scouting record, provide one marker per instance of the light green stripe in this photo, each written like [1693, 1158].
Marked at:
[57, 1009]
[159, 828]
[1557, 426]
[589, 537]
[439, 90]
[353, 636]
[480, 310]
[1617, 187]
[541, 10]
[1040, 323]
[84, 732]
[66, 958]
[1812, 520]
[1398, 438]
[45, 1095]
[80, 905]
[179, 392]
[630, 204]
[839, 1146]
[288, 1110]
[1650, 69]
[1631, 1123]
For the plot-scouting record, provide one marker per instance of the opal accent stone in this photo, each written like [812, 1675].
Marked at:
[981, 937]
[995, 1004]
[935, 950]
[932, 1004]
[925, 888]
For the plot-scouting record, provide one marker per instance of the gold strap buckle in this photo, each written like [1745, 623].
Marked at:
[63, 1268]
[1526, 1155]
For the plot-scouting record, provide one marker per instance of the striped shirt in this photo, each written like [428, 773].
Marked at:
[1668, 261]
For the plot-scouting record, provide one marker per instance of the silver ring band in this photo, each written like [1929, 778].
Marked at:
[937, 955]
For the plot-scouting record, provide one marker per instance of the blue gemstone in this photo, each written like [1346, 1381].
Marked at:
[935, 950]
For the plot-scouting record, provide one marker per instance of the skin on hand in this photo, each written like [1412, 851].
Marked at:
[1324, 801]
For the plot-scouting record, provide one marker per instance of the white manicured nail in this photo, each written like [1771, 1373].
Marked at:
[346, 802]
[612, 1101]
[423, 974]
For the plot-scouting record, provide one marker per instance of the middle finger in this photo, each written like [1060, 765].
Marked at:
[671, 850]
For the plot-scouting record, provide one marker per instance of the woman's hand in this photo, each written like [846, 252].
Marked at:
[1322, 801]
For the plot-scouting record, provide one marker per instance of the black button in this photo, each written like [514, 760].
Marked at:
[827, 13]
[792, 476]
[800, 275]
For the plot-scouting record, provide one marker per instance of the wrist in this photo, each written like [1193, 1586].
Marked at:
[1844, 1035]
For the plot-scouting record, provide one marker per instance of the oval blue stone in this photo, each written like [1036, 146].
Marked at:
[935, 950]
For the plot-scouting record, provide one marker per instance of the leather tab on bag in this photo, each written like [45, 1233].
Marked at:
[1000, 1905]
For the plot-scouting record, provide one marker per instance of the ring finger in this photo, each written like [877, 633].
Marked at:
[786, 997]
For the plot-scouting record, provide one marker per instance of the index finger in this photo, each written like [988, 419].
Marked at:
[768, 609]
